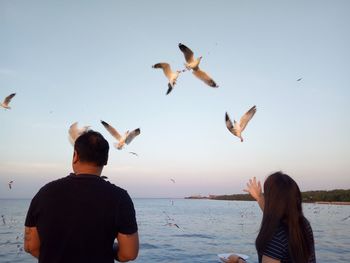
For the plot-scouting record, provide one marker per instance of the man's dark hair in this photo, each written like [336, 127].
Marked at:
[92, 147]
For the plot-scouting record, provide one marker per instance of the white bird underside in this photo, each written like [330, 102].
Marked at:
[238, 127]
[7, 100]
[122, 140]
[193, 63]
[74, 132]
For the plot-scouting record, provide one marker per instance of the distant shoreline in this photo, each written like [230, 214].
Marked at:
[332, 203]
[333, 197]
[316, 202]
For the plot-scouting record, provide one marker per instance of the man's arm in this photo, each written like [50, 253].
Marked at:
[128, 247]
[31, 241]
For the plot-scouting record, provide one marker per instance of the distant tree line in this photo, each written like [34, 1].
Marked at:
[337, 195]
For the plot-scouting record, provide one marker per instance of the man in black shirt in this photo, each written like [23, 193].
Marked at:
[77, 218]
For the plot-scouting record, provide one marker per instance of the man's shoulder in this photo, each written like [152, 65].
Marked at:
[55, 183]
[48, 189]
[115, 189]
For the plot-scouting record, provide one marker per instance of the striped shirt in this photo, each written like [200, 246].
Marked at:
[277, 248]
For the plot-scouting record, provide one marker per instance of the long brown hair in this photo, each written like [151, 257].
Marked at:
[283, 206]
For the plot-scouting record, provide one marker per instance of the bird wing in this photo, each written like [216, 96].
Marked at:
[132, 135]
[9, 98]
[111, 130]
[170, 88]
[166, 68]
[229, 124]
[205, 77]
[247, 117]
[73, 132]
[187, 53]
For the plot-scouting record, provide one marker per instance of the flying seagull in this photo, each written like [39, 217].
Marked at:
[168, 217]
[193, 63]
[299, 79]
[238, 127]
[10, 184]
[7, 100]
[172, 224]
[126, 138]
[133, 153]
[346, 218]
[74, 132]
[172, 180]
[171, 75]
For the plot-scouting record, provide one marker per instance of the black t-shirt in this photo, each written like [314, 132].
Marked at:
[78, 218]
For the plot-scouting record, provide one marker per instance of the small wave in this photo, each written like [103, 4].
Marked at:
[148, 246]
[195, 236]
[6, 233]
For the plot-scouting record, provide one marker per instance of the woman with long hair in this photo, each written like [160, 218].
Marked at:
[285, 234]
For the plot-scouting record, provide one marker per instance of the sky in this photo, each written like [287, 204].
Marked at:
[88, 61]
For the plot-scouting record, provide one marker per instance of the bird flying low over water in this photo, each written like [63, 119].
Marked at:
[10, 184]
[74, 132]
[193, 63]
[122, 140]
[7, 100]
[171, 75]
[238, 127]
[172, 224]
[345, 218]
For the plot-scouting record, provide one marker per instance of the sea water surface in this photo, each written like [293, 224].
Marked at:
[205, 229]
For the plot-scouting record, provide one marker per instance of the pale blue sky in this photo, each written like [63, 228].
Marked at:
[89, 60]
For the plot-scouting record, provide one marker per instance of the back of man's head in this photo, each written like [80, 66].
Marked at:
[92, 147]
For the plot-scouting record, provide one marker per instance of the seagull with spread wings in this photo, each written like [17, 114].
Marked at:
[238, 127]
[171, 75]
[7, 100]
[193, 63]
[135, 154]
[122, 140]
[74, 132]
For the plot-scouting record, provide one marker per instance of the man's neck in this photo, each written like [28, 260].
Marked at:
[87, 169]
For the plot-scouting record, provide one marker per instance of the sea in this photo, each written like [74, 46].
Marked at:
[186, 230]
